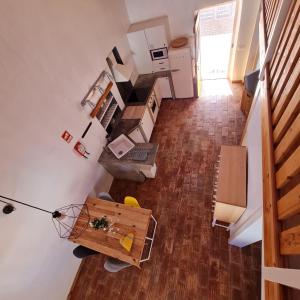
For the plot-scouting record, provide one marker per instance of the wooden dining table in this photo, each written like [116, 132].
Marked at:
[124, 219]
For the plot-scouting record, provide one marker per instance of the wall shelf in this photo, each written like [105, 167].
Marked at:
[107, 116]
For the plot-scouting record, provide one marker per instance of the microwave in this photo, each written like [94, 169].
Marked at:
[160, 53]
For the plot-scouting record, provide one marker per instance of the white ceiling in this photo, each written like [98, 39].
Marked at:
[180, 12]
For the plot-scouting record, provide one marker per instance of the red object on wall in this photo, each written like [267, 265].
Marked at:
[80, 148]
[67, 136]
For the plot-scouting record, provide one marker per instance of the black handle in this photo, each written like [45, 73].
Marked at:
[86, 130]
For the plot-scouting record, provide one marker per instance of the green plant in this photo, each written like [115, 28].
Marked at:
[101, 223]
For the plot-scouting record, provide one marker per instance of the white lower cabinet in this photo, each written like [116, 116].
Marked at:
[164, 87]
[147, 125]
[149, 171]
[157, 92]
[137, 136]
[142, 133]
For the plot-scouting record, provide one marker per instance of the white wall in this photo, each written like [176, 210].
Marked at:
[180, 12]
[245, 26]
[240, 235]
[253, 57]
[50, 54]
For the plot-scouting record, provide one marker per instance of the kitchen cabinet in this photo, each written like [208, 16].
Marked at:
[157, 92]
[137, 136]
[140, 51]
[128, 168]
[149, 171]
[153, 106]
[156, 37]
[230, 198]
[147, 35]
[161, 65]
[162, 88]
[147, 125]
[246, 102]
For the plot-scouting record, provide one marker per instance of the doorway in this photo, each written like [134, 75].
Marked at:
[214, 31]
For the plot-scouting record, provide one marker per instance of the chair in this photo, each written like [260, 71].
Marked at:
[82, 252]
[131, 201]
[114, 265]
[105, 196]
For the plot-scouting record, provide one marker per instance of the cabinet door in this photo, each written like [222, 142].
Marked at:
[137, 136]
[156, 37]
[161, 65]
[147, 125]
[157, 92]
[125, 171]
[140, 52]
[164, 87]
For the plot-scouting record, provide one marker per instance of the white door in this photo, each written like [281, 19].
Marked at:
[156, 37]
[182, 72]
[147, 125]
[141, 54]
[215, 31]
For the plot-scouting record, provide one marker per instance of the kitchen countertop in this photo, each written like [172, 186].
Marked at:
[152, 149]
[146, 80]
[134, 112]
[145, 83]
[149, 80]
[126, 125]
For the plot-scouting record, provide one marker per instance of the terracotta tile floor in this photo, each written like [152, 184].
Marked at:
[190, 260]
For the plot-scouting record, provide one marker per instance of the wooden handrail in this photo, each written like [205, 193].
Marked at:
[271, 241]
[280, 94]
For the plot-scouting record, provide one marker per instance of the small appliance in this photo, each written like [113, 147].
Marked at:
[160, 53]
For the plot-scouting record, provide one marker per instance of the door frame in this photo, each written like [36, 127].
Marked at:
[233, 37]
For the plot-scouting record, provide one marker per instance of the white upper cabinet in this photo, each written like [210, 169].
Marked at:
[145, 36]
[156, 37]
[140, 51]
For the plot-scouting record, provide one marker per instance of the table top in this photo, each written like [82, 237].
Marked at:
[126, 220]
[232, 180]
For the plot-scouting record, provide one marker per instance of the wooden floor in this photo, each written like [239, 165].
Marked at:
[190, 260]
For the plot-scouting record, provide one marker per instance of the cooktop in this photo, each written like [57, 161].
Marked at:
[139, 96]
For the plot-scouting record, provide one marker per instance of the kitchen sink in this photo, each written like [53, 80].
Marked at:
[120, 146]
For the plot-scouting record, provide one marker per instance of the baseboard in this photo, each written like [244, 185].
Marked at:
[75, 280]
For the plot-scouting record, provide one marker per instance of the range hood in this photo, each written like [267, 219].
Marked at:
[121, 72]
